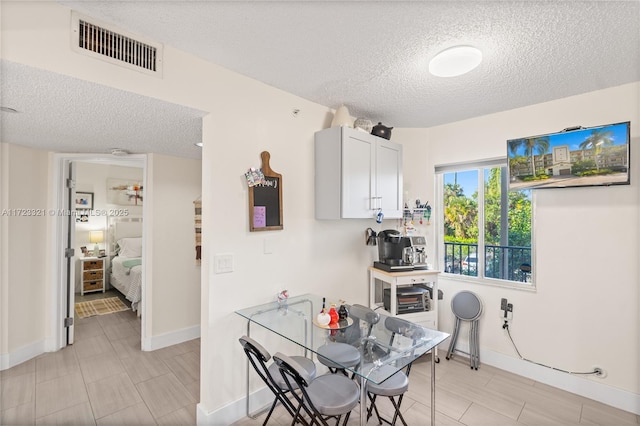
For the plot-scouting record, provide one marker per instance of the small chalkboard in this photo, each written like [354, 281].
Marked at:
[265, 200]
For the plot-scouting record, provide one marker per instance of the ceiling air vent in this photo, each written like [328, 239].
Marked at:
[115, 46]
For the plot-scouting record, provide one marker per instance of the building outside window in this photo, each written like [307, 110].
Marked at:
[487, 229]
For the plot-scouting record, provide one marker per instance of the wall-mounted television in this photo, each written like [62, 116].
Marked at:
[576, 156]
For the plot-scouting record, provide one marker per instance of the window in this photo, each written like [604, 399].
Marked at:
[486, 229]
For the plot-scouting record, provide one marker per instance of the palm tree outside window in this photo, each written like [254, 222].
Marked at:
[486, 231]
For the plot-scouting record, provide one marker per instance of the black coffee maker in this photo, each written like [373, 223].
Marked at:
[391, 245]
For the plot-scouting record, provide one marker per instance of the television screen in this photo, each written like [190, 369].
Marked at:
[573, 157]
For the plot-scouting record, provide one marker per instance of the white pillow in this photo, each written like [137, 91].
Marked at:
[130, 247]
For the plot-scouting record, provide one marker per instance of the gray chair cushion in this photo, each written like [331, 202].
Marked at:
[404, 328]
[263, 352]
[305, 363]
[393, 386]
[334, 395]
[364, 313]
[466, 305]
[357, 313]
[343, 354]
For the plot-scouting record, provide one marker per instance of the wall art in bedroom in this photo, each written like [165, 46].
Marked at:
[124, 192]
[84, 200]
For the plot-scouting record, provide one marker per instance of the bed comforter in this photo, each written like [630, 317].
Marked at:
[126, 276]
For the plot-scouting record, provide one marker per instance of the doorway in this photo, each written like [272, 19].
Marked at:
[84, 188]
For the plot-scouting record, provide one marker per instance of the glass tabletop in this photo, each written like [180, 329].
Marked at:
[386, 344]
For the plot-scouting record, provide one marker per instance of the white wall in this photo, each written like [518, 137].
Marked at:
[584, 311]
[23, 260]
[173, 274]
[329, 257]
[326, 257]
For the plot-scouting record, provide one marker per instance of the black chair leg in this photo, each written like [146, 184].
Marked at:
[333, 370]
[322, 421]
[373, 407]
[298, 418]
[273, 406]
[397, 410]
[396, 405]
[372, 402]
[346, 419]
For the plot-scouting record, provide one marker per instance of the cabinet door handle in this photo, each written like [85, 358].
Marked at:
[375, 203]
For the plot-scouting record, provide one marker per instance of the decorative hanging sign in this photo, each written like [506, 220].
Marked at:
[265, 197]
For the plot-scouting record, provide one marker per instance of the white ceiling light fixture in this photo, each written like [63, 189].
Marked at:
[455, 61]
[118, 152]
[198, 144]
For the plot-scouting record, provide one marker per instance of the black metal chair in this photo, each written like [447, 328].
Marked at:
[326, 396]
[396, 385]
[258, 357]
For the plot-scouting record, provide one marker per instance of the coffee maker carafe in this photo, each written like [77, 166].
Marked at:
[419, 247]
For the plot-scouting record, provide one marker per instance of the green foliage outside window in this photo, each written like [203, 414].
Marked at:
[519, 211]
[461, 212]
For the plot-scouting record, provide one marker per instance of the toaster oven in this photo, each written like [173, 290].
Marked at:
[408, 300]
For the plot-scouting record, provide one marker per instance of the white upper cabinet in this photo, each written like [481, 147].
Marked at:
[356, 175]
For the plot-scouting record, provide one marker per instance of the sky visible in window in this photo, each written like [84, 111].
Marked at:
[468, 180]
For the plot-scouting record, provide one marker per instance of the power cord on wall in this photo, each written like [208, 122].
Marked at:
[596, 371]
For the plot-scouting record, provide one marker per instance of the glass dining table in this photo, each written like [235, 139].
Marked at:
[295, 320]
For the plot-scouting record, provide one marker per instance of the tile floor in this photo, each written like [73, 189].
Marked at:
[104, 379]
[488, 396]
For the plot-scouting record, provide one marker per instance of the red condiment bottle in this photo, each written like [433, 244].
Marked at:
[333, 314]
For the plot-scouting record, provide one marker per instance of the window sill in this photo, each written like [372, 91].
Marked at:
[530, 287]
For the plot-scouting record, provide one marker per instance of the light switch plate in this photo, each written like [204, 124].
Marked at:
[223, 263]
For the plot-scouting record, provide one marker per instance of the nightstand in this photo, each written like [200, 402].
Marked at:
[92, 275]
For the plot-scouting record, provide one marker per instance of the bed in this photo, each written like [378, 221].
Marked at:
[126, 264]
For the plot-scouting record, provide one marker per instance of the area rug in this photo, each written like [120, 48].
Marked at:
[99, 307]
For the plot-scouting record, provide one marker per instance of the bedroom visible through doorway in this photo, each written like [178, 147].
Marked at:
[108, 232]
[107, 206]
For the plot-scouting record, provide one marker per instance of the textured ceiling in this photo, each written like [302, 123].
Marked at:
[69, 115]
[373, 56]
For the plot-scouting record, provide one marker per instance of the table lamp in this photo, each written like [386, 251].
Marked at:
[96, 237]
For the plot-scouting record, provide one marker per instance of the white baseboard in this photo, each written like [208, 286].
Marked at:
[171, 338]
[22, 354]
[236, 410]
[588, 388]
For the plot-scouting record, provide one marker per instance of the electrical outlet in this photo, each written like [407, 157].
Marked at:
[503, 309]
[503, 304]
[509, 312]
